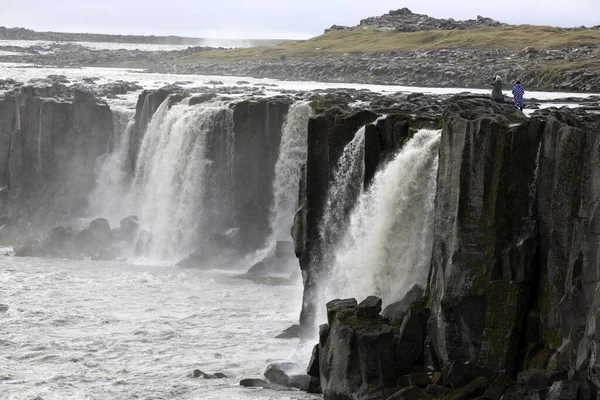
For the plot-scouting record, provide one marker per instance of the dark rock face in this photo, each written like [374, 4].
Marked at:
[513, 283]
[482, 224]
[48, 150]
[257, 127]
[358, 352]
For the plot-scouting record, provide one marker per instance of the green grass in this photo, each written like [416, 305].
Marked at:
[361, 41]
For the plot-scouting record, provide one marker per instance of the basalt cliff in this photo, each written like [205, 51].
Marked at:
[506, 304]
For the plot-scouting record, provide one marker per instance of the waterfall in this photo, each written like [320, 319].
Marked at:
[182, 186]
[171, 182]
[346, 184]
[292, 155]
[386, 246]
[110, 195]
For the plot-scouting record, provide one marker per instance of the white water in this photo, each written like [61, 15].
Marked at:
[170, 182]
[347, 183]
[292, 155]
[387, 245]
[170, 185]
[109, 198]
[111, 331]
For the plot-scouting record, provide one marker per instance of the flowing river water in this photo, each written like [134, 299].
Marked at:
[104, 330]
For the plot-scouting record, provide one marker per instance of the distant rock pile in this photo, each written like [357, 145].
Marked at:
[404, 20]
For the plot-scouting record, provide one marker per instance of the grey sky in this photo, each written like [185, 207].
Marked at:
[270, 18]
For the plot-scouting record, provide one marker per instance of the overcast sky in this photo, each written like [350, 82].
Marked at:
[270, 18]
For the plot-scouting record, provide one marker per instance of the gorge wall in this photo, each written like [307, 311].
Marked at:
[513, 283]
[510, 281]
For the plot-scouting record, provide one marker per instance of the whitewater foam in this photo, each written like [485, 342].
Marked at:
[387, 244]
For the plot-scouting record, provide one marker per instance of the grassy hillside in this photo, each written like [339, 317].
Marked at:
[368, 41]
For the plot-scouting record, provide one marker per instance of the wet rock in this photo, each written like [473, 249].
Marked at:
[535, 382]
[396, 312]
[334, 307]
[437, 391]
[313, 365]
[563, 390]
[99, 230]
[130, 227]
[257, 269]
[31, 248]
[275, 375]
[498, 387]
[369, 308]
[411, 338]
[253, 383]
[419, 379]
[457, 375]
[202, 98]
[292, 332]
[301, 382]
[199, 374]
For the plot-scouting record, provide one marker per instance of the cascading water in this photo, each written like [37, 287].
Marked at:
[109, 198]
[292, 155]
[387, 245]
[171, 182]
[346, 185]
[170, 191]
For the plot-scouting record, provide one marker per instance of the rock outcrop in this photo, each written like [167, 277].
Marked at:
[48, 149]
[404, 20]
[511, 306]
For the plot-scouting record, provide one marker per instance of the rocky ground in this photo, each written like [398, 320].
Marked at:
[467, 68]
[404, 20]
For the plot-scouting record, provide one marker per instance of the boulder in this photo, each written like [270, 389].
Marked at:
[275, 375]
[199, 374]
[437, 391]
[293, 332]
[457, 375]
[334, 307]
[419, 379]
[498, 387]
[130, 227]
[252, 382]
[396, 312]
[369, 308]
[31, 248]
[99, 231]
[563, 390]
[300, 382]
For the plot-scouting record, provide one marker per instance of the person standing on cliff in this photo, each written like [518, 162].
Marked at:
[497, 90]
[518, 92]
